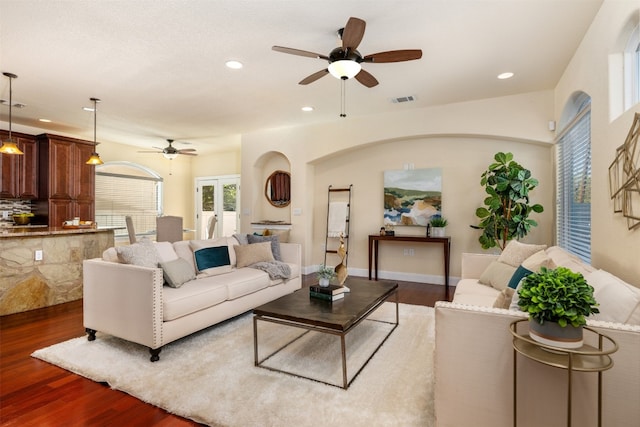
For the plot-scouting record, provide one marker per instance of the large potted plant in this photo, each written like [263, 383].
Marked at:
[558, 302]
[505, 215]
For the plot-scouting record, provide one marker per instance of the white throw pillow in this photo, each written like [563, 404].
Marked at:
[497, 275]
[515, 252]
[618, 301]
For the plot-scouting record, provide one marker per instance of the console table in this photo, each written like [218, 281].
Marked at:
[374, 241]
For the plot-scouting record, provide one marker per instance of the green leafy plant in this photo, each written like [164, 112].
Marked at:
[325, 272]
[507, 209]
[438, 221]
[557, 295]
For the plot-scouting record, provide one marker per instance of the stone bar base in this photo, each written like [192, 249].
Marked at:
[26, 284]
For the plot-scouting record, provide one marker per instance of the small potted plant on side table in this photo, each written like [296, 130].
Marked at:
[325, 275]
[557, 300]
[438, 225]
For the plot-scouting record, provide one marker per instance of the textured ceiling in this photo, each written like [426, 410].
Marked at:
[158, 65]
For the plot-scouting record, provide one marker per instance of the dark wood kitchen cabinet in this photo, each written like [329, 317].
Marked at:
[19, 173]
[67, 183]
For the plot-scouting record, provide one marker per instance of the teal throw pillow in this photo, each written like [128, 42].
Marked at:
[212, 260]
[519, 274]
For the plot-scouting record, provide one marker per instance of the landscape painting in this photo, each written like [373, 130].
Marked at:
[412, 197]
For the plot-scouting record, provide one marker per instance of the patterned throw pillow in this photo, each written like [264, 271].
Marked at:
[142, 253]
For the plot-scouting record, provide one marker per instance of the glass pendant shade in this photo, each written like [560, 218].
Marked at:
[8, 146]
[170, 156]
[94, 159]
[344, 69]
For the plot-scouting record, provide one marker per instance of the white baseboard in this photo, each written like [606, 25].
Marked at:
[393, 275]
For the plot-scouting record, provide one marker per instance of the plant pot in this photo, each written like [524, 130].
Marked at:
[437, 231]
[21, 220]
[550, 333]
[324, 282]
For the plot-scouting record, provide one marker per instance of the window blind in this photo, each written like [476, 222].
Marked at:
[119, 195]
[573, 221]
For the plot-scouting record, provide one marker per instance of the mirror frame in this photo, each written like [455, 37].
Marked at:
[268, 187]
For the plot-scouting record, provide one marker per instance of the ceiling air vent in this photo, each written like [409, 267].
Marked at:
[403, 99]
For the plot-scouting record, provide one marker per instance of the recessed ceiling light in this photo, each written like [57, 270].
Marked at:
[504, 76]
[234, 65]
[44, 120]
[307, 109]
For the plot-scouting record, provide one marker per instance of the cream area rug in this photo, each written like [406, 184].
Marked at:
[210, 376]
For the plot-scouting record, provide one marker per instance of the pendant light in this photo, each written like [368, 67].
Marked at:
[95, 157]
[8, 146]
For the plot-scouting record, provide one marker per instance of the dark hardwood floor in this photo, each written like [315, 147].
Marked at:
[35, 393]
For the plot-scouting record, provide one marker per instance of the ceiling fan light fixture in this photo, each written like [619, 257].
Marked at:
[344, 69]
[8, 146]
[170, 156]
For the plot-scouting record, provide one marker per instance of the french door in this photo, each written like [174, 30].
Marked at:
[217, 197]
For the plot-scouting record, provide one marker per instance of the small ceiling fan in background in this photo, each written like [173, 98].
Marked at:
[170, 152]
[344, 61]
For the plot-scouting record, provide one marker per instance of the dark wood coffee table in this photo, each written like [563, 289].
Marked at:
[339, 318]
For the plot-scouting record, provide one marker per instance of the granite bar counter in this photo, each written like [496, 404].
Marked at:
[42, 266]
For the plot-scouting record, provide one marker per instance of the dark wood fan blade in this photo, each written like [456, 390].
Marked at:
[394, 56]
[183, 150]
[353, 33]
[150, 152]
[366, 79]
[313, 77]
[186, 154]
[299, 52]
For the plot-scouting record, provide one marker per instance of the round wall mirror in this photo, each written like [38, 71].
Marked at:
[277, 189]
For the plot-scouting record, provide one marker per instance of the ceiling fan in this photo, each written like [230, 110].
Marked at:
[170, 152]
[344, 61]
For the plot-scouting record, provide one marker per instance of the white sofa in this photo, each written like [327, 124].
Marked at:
[133, 302]
[474, 358]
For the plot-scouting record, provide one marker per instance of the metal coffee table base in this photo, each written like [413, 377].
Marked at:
[342, 334]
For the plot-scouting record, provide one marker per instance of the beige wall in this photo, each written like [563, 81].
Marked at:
[460, 138]
[613, 246]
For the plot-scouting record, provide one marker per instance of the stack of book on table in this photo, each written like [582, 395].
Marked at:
[329, 293]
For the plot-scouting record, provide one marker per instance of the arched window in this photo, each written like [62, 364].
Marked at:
[573, 151]
[128, 189]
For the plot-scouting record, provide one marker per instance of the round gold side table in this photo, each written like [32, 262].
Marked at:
[584, 359]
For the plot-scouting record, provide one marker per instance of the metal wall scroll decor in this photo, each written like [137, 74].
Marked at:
[624, 177]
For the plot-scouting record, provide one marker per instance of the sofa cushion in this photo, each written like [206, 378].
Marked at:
[250, 254]
[515, 252]
[110, 255]
[562, 258]
[211, 260]
[618, 301]
[275, 244]
[143, 254]
[176, 272]
[245, 281]
[497, 275]
[193, 296]
[470, 292]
